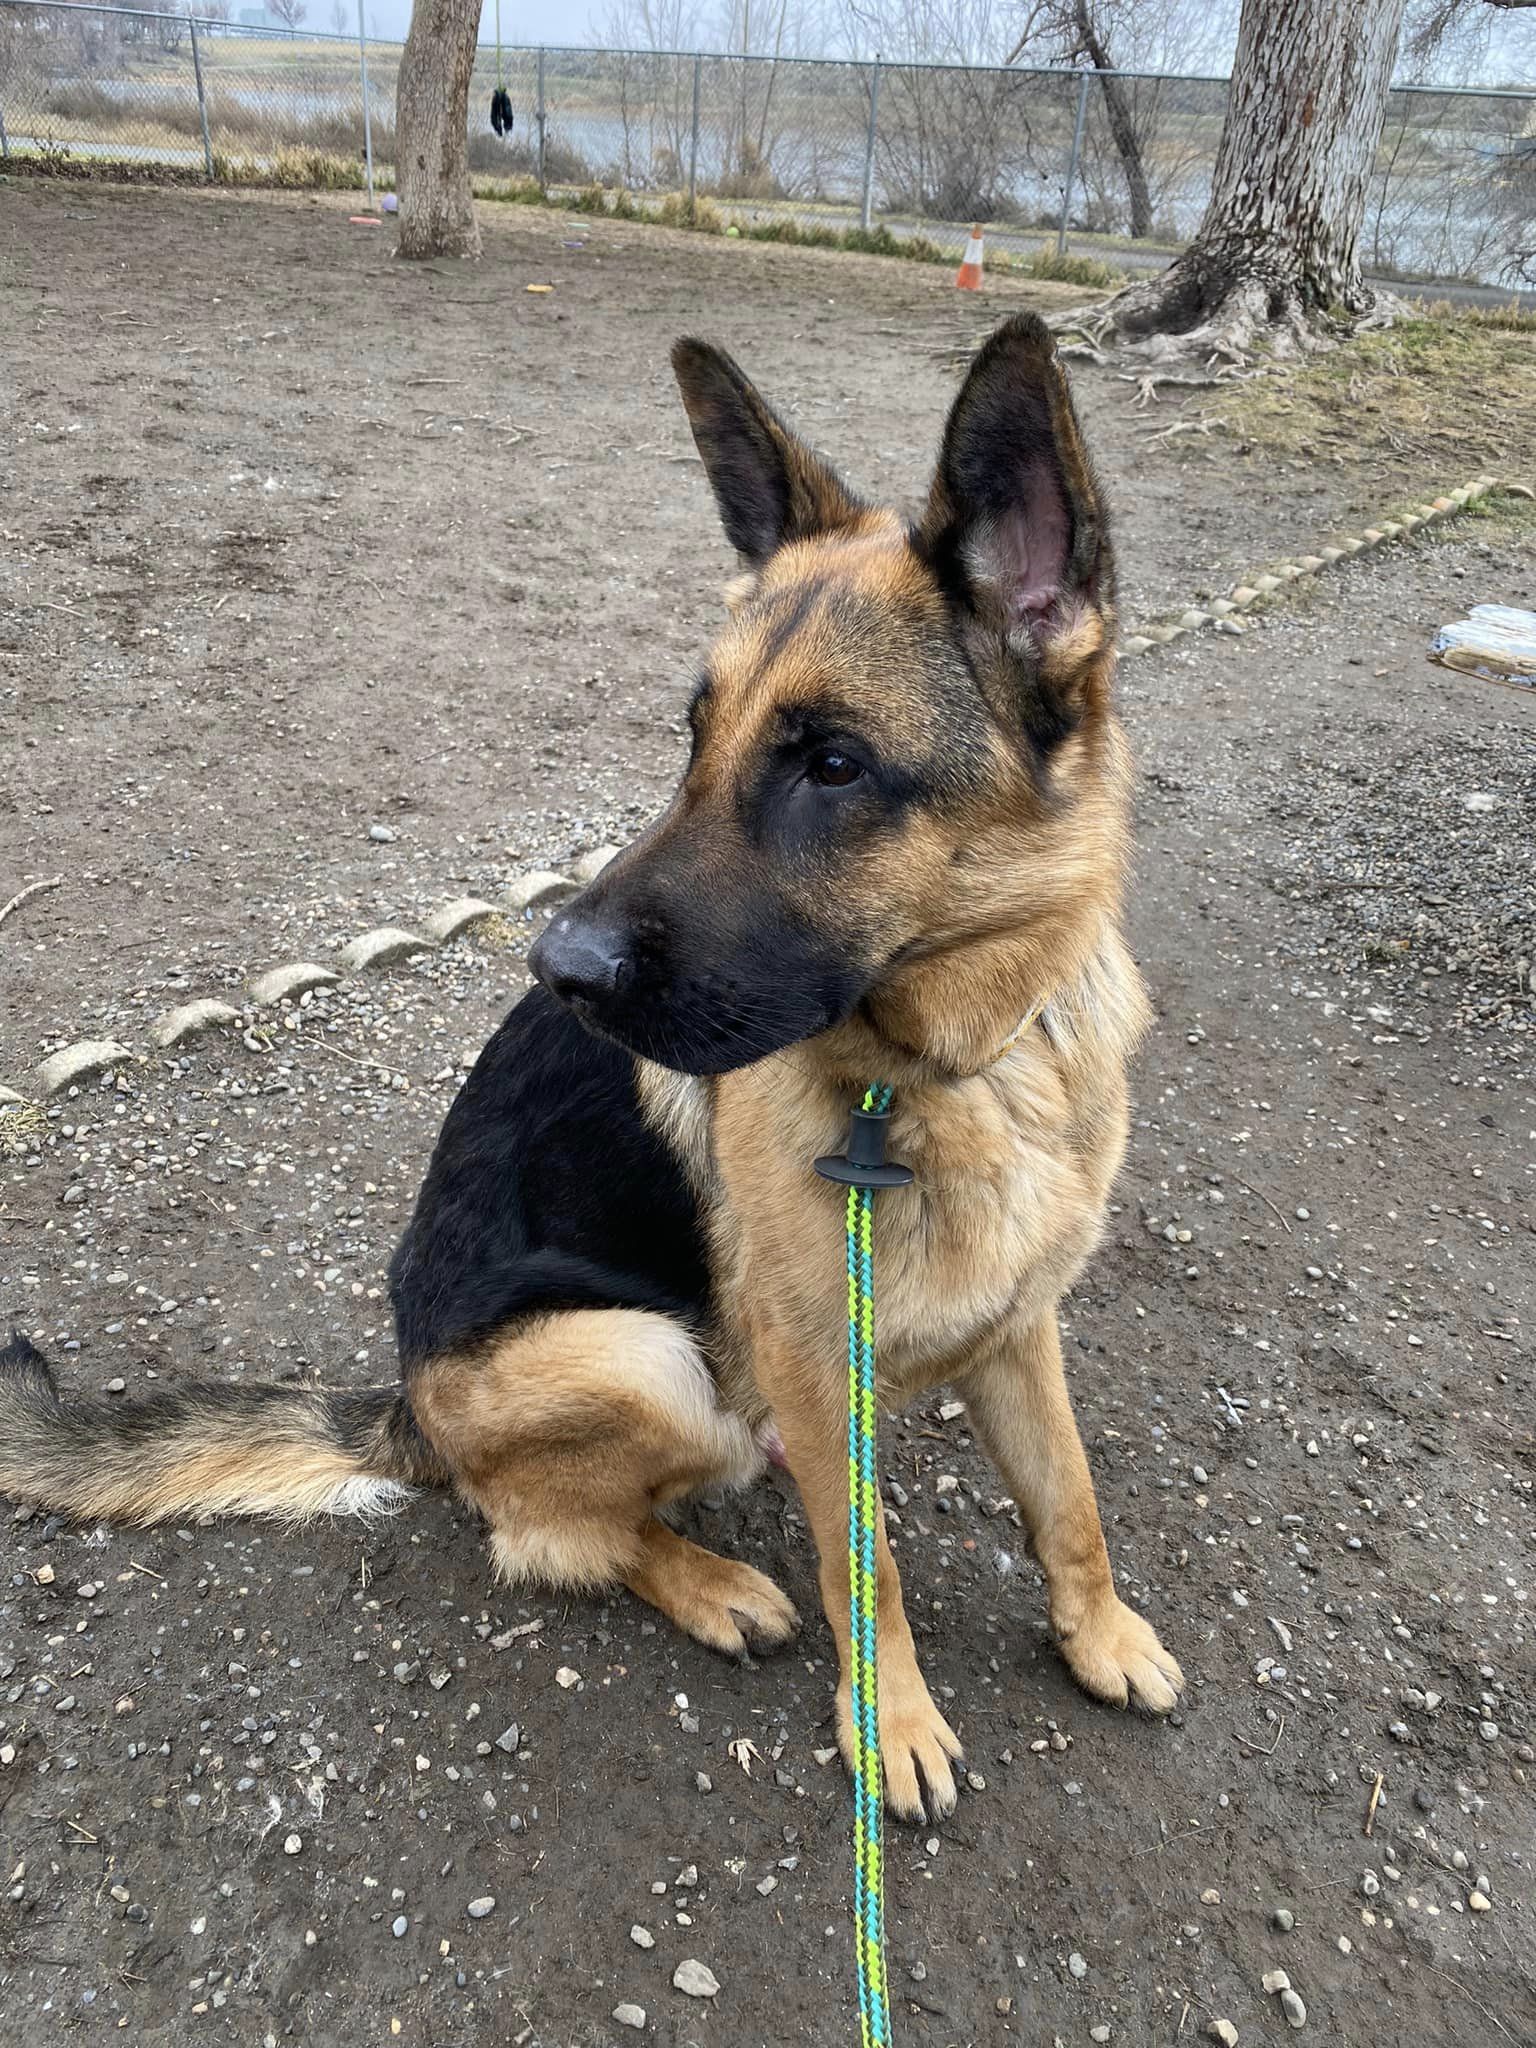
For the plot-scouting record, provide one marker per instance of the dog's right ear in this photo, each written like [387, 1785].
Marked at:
[769, 486]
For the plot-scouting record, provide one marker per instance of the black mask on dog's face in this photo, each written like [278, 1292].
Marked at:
[884, 700]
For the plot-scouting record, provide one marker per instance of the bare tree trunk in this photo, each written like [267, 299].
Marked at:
[1122, 120]
[1278, 249]
[437, 214]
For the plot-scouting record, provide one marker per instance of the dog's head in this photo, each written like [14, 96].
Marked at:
[904, 794]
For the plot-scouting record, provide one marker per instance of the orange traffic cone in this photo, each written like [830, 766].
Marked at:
[968, 276]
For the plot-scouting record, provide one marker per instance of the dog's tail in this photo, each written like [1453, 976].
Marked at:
[217, 1448]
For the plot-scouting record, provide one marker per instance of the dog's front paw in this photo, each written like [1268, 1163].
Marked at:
[1116, 1655]
[917, 1746]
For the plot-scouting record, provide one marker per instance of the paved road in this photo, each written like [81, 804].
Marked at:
[1123, 256]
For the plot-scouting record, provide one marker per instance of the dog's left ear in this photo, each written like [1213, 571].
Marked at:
[769, 486]
[1014, 527]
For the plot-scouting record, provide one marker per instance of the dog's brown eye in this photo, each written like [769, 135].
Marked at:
[832, 769]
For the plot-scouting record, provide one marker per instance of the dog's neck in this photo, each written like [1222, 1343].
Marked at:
[954, 1014]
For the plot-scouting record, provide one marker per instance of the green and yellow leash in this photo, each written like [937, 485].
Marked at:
[863, 1169]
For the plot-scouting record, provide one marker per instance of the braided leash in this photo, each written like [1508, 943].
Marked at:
[863, 1510]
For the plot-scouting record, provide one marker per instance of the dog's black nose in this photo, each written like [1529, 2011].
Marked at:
[579, 961]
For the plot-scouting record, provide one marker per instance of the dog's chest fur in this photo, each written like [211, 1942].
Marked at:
[1011, 1171]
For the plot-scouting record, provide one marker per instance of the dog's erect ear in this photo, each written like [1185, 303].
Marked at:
[769, 486]
[1013, 524]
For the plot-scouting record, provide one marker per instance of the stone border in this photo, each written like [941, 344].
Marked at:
[1221, 612]
[274, 986]
[544, 888]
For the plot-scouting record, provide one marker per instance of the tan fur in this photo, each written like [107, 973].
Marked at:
[291, 1481]
[569, 1435]
[998, 898]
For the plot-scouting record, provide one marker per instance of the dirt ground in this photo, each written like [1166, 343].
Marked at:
[295, 541]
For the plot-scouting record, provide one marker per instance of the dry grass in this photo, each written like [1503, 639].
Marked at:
[1445, 394]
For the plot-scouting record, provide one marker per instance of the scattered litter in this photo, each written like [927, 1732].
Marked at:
[1495, 641]
[538, 287]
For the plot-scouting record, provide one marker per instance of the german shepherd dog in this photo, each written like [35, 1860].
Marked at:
[896, 855]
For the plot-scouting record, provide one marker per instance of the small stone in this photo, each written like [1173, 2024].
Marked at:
[1480, 1902]
[1098, 2033]
[695, 1978]
[1370, 1884]
[703, 1782]
[1283, 1918]
[1210, 1898]
[478, 1908]
[642, 1937]
[509, 1738]
[1489, 1730]
[398, 1925]
[1223, 2031]
[565, 1677]
[1077, 1965]
[1276, 1980]
[383, 835]
[629, 2014]
[1291, 2005]
[293, 1845]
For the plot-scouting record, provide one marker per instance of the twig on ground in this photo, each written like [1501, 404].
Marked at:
[1370, 1811]
[1258, 1747]
[1466, 1994]
[32, 889]
[1200, 426]
[1146, 383]
[1248, 1184]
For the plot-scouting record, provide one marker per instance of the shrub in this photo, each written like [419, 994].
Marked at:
[1050, 268]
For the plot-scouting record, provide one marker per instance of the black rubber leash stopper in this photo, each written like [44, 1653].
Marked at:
[864, 1164]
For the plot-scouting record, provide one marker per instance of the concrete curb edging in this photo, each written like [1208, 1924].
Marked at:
[384, 946]
[1221, 612]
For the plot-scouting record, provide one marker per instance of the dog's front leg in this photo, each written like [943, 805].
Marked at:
[1018, 1400]
[917, 1745]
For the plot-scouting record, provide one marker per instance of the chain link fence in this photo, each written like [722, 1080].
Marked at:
[802, 148]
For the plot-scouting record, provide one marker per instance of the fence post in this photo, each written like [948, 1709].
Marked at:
[202, 100]
[540, 118]
[362, 53]
[1077, 145]
[693, 146]
[866, 214]
[5, 147]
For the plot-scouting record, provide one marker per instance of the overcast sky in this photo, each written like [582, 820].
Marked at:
[1510, 53]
